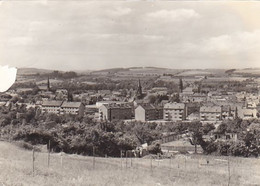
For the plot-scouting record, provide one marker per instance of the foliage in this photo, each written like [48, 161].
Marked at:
[154, 148]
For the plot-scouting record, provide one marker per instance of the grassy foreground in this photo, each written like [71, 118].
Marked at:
[16, 169]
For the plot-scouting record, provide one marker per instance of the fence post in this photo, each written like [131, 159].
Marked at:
[151, 163]
[171, 162]
[33, 159]
[49, 151]
[185, 161]
[121, 158]
[93, 157]
[228, 171]
[158, 159]
[126, 159]
[61, 162]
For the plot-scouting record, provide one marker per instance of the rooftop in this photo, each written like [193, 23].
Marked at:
[149, 106]
[210, 109]
[174, 105]
[53, 103]
[121, 106]
[71, 104]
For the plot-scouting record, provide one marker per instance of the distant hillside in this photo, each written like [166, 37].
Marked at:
[254, 71]
[133, 71]
[194, 73]
[28, 71]
[111, 70]
[136, 70]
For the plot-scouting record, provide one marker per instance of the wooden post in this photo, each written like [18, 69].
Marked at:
[61, 162]
[185, 162]
[126, 159]
[228, 171]
[171, 162]
[170, 166]
[121, 158]
[151, 163]
[49, 151]
[33, 159]
[158, 159]
[93, 157]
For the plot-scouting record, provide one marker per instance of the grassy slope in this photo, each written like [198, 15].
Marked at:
[16, 169]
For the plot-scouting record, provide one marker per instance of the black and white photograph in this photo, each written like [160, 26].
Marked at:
[129, 93]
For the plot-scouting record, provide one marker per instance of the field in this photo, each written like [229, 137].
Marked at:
[255, 71]
[16, 167]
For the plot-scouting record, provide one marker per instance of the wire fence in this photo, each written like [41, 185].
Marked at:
[174, 165]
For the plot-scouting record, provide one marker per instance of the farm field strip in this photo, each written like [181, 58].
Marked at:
[16, 167]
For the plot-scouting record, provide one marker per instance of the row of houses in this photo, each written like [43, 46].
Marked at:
[62, 107]
[173, 112]
[143, 112]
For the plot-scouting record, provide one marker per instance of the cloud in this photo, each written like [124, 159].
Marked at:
[120, 11]
[174, 15]
[16, 41]
[235, 43]
[239, 49]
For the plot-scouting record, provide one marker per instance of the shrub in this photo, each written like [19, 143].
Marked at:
[26, 146]
[154, 148]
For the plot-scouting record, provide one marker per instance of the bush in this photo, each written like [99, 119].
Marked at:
[26, 146]
[155, 148]
[210, 148]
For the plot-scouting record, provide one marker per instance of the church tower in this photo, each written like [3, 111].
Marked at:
[139, 92]
[48, 84]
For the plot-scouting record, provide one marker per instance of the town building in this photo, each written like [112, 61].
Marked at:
[229, 112]
[109, 112]
[194, 98]
[174, 112]
[246, 113]
[75, 108]
[159, 90]
[211, 113]
[91, 109]
[187, 91]
[148, 112]
[225, 136]
[51, 106]
[100, 103]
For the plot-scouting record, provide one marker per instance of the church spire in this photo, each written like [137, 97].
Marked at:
[48, 84]
[139, 92]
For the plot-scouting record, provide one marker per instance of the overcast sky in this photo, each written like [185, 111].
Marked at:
[75, 35]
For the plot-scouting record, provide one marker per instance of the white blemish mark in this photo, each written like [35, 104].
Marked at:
[7, 77]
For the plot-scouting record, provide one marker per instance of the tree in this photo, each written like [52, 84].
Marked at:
[196, 131]
[152, 99]
[70, 96]
[146, 133]
[175, 98]
[195, 134]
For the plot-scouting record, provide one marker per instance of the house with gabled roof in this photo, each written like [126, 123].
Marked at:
[75, 108]
[148, 112]
[51, 106]
[174, 112]
[109, 112]
[211, 113]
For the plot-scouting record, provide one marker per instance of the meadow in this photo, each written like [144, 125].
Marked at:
[16, 168]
